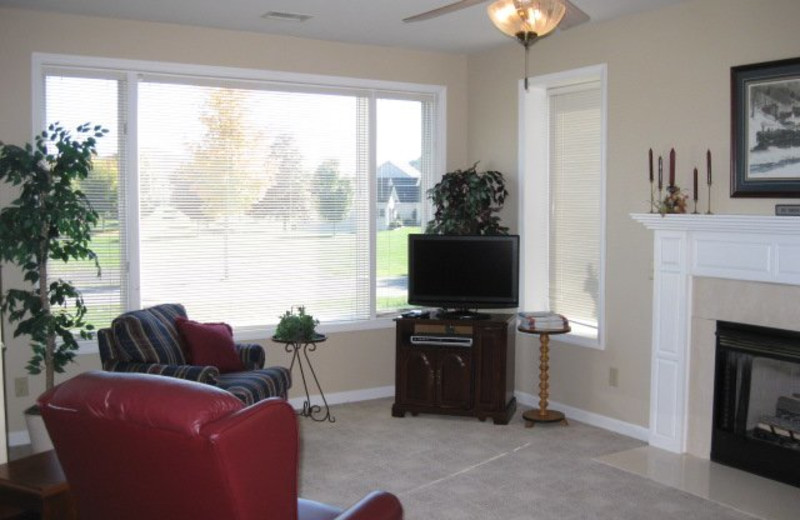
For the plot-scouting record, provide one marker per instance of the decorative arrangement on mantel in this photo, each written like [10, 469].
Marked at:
[675, 199]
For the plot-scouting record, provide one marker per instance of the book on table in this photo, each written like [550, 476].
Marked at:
[542, 321]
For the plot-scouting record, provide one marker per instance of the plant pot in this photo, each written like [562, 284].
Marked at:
[40, 439]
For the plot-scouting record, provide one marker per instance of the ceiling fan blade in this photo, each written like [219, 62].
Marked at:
[574, 16]
[439, 11]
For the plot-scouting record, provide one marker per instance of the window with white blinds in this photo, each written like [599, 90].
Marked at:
[72, 100]
[241, 198]
[563, 199]
[575, 186]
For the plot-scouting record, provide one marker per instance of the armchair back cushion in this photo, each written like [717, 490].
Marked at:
[150, 335]
[136, 446]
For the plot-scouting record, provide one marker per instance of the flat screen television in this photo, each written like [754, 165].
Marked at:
[463, 272]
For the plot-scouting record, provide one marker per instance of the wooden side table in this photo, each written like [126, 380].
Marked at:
[543, 414]
[37, 484]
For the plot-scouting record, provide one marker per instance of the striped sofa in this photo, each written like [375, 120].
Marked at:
[148, 341]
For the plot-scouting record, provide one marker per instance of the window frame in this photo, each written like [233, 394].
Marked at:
[534, 195]
[132, 69]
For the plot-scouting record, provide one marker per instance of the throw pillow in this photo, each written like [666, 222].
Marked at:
[210, 344]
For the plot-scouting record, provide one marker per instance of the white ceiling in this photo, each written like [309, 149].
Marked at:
[374, 22]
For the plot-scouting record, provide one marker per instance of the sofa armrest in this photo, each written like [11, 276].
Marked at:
[252, 355]
[378, 505]
[201, 374]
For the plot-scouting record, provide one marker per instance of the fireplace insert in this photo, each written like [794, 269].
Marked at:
[757, 401]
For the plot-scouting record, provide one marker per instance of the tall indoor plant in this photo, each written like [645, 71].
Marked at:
[466, 202]
[50, 220]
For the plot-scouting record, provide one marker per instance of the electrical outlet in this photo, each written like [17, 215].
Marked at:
[21, 387]
[613, 377]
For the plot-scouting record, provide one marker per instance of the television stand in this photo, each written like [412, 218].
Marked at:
[463, 314]
[456, 367]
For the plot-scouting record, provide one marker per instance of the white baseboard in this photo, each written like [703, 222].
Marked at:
[367, 394]
[601, 421]
[19, 438]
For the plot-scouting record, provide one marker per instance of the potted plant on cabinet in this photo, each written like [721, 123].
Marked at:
[466, 202]
[50, 220]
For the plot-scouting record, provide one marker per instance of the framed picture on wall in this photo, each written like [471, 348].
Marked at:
[765, 129]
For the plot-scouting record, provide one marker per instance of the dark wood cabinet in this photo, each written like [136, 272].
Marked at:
[455, 367]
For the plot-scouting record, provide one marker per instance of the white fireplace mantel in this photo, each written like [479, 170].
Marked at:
[738, 247]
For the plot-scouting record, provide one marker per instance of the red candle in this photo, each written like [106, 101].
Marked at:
[650, 157]
[672, 167]
[660, 173]
[708, 167]
[695, 184]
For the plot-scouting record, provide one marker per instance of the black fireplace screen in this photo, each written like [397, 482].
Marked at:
[757, 401]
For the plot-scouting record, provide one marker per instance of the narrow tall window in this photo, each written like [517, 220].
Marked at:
[71, 101]
[563, 199]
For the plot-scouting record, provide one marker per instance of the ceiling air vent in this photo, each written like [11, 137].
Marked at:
[286, 17]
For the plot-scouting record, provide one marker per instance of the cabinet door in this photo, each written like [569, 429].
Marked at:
[491, 375]
[419, 378]
[455, 379]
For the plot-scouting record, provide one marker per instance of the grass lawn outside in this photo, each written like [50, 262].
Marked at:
[392, 246]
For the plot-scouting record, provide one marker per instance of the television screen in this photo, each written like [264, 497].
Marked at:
[463, 272]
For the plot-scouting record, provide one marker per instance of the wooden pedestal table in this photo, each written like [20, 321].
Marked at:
[543, 414]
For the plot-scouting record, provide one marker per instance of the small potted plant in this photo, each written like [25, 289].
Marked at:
[51, 219]
[466, 202]
[296, 327]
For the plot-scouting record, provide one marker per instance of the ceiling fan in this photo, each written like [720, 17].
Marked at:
[574, 15]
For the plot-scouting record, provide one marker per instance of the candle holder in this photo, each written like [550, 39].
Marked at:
[695, 212]
[652, 197]
[709, 200]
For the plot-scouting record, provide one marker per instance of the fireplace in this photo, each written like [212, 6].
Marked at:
[756, 421]
[756, 249]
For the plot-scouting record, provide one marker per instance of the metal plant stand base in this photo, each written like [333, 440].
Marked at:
[299, 351]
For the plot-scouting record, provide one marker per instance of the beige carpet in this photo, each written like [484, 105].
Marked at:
[460, 468]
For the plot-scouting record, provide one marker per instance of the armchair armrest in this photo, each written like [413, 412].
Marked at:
[378, 505]
[251, 354]
[201, 374]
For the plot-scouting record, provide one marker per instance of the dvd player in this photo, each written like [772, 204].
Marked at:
[449, 341]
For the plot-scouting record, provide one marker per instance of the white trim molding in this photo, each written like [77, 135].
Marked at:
[735, 247]
[593, 419]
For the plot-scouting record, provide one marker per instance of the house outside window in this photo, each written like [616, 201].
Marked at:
[241, 193]
[563, 199]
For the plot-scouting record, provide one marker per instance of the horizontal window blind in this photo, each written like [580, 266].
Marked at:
[241, 194]
[72, 101]
[252, 201]
[575, 202]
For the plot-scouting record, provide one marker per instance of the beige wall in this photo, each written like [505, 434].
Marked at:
[668, 86]
[668, 78]
[348, 361]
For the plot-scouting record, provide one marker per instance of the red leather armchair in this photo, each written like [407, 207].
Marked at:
[139, 446]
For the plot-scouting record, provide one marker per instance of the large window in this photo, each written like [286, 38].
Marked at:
[241, 194]
[563, 202]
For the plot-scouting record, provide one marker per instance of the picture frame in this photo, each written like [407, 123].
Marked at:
[765, 129]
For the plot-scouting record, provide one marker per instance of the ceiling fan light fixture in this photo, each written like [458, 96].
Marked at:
[530, 18]
[526, 20]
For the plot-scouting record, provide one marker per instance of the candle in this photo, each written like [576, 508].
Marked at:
[650, 158]
[708, 167]
[672, 167]
[695, 184]
[660, 173]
